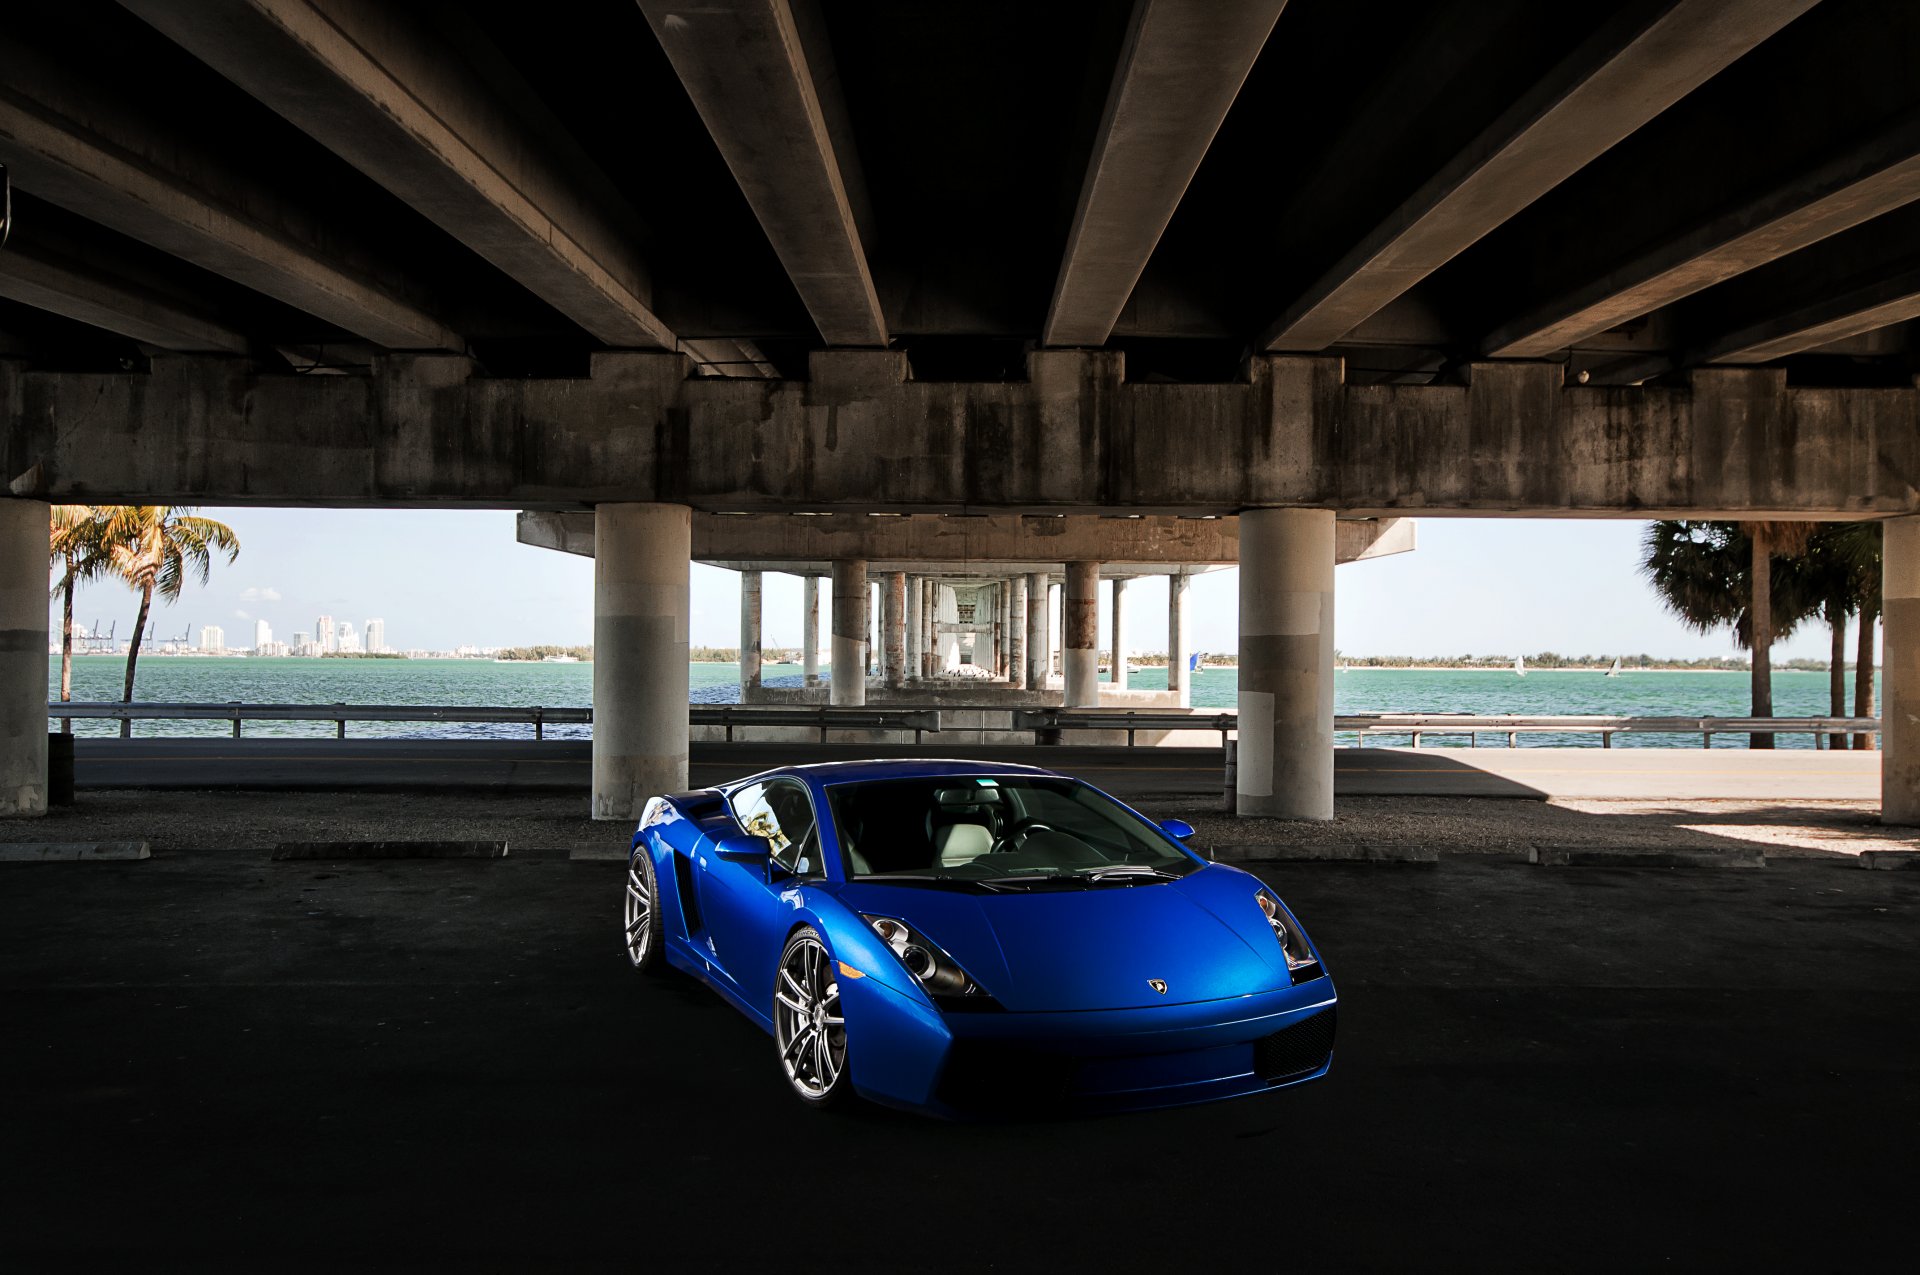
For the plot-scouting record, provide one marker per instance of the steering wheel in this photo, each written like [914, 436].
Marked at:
[1017, 831]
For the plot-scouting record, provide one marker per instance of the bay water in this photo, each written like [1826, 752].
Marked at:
[1543, 692]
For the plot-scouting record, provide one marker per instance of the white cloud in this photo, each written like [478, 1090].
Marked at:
[258, 594]
[243, 615]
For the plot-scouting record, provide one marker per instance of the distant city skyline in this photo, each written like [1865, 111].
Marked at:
[445, 579]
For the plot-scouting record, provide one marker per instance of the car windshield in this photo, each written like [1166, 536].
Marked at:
[1000, 830]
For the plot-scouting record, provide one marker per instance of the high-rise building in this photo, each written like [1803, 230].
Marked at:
[323, 633]
[213, 638]
[344, 640]
[376, 636]
[262, 635]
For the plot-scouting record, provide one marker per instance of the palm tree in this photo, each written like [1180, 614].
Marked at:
[1842, 570]
[76, 544]
[1713, 573]
[151, 548]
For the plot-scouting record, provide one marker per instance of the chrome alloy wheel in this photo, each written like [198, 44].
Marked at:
[639, 910]
[807, 1025]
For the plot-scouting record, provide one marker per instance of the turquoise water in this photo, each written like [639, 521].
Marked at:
[1542, 692]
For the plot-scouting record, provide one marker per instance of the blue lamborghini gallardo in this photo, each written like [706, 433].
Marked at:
[971, 938]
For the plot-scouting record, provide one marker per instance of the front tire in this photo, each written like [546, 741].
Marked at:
[644, 931]
[808, 1026]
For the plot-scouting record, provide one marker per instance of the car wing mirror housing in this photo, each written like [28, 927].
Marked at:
[748, 850]
[1178, 829]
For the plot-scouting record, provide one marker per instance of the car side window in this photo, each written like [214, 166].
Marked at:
[780, 811]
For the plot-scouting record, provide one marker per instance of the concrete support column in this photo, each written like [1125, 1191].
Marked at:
[1057, 630]
[916, 640]
[1003, 625]
[1900, 672]
[893, 623]
[1286, 664]
[1119, 679]
[1178, 679]
[23, 657]
[749, 634]
[641, 563]
[1017, 631]
[1080, 622]
[1039, 642]
[810, 630]
[849, 684]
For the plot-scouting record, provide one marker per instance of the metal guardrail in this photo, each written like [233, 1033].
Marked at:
[1046, 722]
[729, 716]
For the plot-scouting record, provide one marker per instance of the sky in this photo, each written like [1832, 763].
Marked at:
[443, 578]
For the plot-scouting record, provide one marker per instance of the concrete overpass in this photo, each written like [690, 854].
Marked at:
[1284, 262]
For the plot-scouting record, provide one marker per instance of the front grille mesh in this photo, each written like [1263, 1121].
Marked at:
[1295, 1050]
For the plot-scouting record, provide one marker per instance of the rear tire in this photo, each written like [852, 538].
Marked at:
[644, 931]
[809, 1029]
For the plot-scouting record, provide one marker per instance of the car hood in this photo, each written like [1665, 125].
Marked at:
[1097, 948]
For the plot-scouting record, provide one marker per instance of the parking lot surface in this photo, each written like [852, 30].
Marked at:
[213, 1058]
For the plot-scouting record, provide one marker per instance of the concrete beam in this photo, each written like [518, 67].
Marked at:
[1074, 438]
[76, 291]
[367, 81]
[754, 80]
[1864, 308]
[964, 545]
[1636, 65]
[1868, 178]
[1179, 71]
[60, 141]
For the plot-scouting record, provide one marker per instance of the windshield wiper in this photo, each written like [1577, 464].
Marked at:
[1130, 870]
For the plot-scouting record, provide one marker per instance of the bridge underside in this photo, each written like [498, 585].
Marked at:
[1294, 262]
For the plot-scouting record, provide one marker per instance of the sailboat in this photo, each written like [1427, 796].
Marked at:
[1615, 670]
[1519, 666]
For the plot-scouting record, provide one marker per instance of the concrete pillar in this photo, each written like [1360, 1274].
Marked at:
[915, 640]
[1080, 618]
[1057, 631]
[1039, 643]
[810, 630]
[849, 683]
[893, 623]
[1017, 631]
[23, 656]
[1002, 626]
[1178, 679]
[1900, 672]
[749, 634]
[1119, 679]
[641, 563]
[1286, 664]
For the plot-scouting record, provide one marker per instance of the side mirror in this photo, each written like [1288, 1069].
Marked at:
[1178, 829]
[747, 850]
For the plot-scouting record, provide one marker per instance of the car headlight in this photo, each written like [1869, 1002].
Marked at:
[939, 973]
[1292, 942]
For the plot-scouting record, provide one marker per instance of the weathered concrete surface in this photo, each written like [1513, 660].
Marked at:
[1623, 75]
[1285, 763]
[1180, 68]
[751, 627]
[96, 155]
[849, 658]
[766, 92]
[860, 436]
[1900, 672]
[78, 291]
[23, 657]
[640, 679]
[486, 163]
[1080, 636]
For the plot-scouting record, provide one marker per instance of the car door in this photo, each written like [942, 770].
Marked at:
[746, 914]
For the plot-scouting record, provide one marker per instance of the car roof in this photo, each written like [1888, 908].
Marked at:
[838, 772]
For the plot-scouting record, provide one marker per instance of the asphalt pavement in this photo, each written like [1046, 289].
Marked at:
[216, 1060]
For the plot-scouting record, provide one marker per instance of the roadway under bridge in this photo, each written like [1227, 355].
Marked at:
[652, 264]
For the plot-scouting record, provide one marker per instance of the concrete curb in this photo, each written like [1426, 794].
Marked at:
[1326, 854]
[1574, 857]
[390, 850]
[1890, 860]
[585, 854]
[72, 851]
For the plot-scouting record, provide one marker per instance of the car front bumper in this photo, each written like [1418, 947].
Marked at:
[904, 1053]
